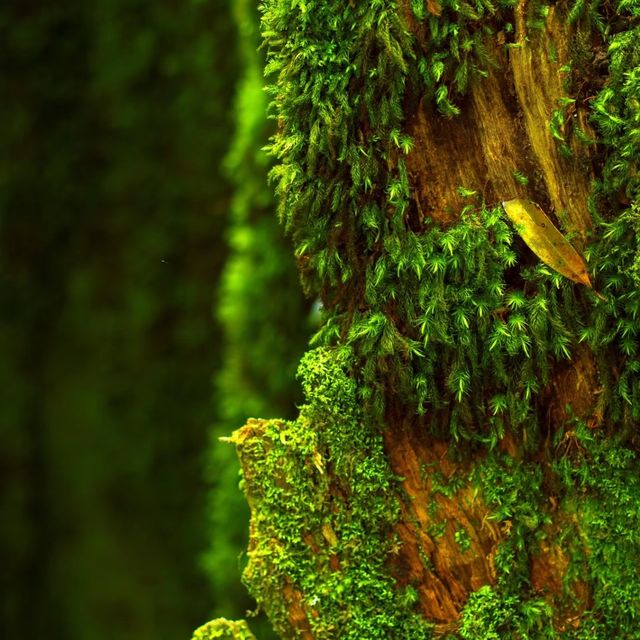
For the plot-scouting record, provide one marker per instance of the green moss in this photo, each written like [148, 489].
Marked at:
[513, 490]
[222, 629]
[321, 486]
[614, 326]
[345, 198]
[491, 616]
[462, 539]
[594, 475]
[455, 50]
[602, 488]
[596, 483]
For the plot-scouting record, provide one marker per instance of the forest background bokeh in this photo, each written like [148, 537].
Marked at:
[149, 305]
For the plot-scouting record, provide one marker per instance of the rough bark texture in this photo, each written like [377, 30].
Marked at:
[503, 129]
[444, 583]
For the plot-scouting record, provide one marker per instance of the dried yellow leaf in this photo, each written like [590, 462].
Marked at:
[329, 534]
[546, 241]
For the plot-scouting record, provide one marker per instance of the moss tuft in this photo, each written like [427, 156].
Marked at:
[324, 502]
[222, 629]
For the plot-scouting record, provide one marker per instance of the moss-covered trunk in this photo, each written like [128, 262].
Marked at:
[466, 464]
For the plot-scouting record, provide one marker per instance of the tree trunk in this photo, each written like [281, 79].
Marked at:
[466, 464]
[259, 274]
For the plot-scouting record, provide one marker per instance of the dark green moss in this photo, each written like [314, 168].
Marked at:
[602, 481]
[614, 327]
[454, 51]
[596, 484]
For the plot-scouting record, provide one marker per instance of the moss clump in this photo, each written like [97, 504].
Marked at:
[467, 333]
[510, 609]
[617, 114]
[324, 502]
[222, 629]
[602, 483]
[614, 328]
[595, 484]
[491, 616]
[455, 47]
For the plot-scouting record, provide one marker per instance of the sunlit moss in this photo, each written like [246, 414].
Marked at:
[299, 532]
[222, 629]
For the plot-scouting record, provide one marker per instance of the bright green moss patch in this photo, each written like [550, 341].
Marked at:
[324, 502]
[491, 616]
[222, 629]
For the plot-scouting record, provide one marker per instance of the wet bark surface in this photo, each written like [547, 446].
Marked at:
[430, 558]
[503, 130]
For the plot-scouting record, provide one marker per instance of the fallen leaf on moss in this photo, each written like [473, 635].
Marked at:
[546, 241]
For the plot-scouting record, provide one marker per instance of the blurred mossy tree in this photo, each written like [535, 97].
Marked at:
[113, 201]
[466, 464]
[264, 316]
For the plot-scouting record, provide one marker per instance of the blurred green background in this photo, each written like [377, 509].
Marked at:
[149, 305]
